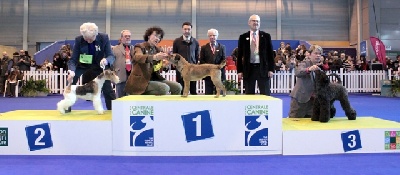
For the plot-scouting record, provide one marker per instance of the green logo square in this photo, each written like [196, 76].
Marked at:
[387, 133]
[3, 136]
[398, 133]
[387, 146]
[398, 146]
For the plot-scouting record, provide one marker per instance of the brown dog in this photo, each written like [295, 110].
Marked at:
[194, 72]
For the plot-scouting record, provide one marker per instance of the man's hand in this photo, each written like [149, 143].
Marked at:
[240, 76]
[270, 74]
[160, 56]
[103, 63]
[165, 62]
[71, 75]
[313, 68]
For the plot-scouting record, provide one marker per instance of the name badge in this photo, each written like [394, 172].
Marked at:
[86, 59]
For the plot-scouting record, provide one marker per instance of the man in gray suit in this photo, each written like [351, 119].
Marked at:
[122, 65]
[303, 92]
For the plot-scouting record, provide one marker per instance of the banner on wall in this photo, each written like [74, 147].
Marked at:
[363, 48]
[379, 49]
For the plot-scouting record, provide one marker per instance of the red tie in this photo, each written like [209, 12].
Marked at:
[213, 48]
[128, 58]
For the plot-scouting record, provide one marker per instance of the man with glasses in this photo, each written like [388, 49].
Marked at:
[123, 54]
[255, 62]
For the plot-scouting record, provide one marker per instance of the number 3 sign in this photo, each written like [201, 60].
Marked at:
[351, 140]
[39, 137]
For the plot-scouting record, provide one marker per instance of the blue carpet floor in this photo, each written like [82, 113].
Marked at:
[365, 104]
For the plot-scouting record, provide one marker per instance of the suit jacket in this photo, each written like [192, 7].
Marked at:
[81, 47]
[304, 87]
[142, 71]
[119, 63]
[190, 51]
[207, 56]
[265, 52]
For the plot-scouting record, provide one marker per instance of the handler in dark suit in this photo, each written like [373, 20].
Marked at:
[91, 51]
[188, 47]
[255, 60]
[212, 53]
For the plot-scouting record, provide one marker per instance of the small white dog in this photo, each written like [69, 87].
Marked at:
[88, 91]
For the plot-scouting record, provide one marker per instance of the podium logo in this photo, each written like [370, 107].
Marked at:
[3, 136]
[256, 133]
[142, 131]
[256, 125]
[197, 126]
[392, 140]
[351, 140]
[39, 136]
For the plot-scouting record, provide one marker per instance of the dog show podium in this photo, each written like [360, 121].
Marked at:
[199, 125]
[47, 132]
[339, 135]
[148, 125]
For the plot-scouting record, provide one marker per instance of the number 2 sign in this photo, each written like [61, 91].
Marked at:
[39, 136]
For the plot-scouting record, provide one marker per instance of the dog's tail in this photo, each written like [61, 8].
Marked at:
[222, 64]
[336, 76]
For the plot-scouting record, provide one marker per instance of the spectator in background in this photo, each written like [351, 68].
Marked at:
[57, 62]
[234, 54]
[46, 66]
[13, 78]
[337, 62]
[33, 65]
[325, 64]
[24, 61]
[3, 71]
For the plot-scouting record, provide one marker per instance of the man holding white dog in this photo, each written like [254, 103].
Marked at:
[91, 51]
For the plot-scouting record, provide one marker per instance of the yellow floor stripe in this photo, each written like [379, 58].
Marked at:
[194, 98]
[338, 123]
[54, 115]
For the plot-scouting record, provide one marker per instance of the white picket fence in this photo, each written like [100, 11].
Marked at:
[282, 82]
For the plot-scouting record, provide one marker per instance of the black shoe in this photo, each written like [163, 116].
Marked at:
[68, 110]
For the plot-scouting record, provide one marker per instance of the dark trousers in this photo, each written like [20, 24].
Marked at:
[262, 81]
[107, 90]
[2, 83]
[192, 89]
[208, 86]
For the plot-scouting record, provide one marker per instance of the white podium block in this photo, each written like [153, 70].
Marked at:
[47, 132]
[364, 135]
[169, 125]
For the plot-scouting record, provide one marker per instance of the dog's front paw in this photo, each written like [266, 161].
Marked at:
[184, 96]
[352, 115]
[100, 112]
[217, 96]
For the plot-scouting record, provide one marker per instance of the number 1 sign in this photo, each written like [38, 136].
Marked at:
[197, 125]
